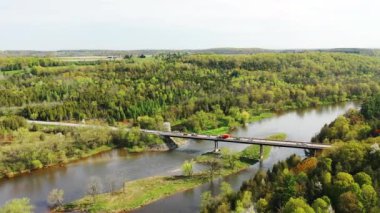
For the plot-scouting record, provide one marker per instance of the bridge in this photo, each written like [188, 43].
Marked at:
[242, 140]
[215, 139]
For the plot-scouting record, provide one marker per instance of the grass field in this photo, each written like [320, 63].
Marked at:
[225, 129]
[261, 116]
[217, 131]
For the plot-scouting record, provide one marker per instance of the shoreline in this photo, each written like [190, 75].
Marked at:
[91, 153]
[215, 131]
[94, 152]
[84, 203]
[168, 186]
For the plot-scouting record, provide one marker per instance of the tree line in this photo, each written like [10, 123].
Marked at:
[189, 89]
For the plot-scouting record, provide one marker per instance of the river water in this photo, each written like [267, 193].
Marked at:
[118, 165]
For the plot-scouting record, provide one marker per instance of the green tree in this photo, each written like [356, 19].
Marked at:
[13, 122]
[349, 203]
[187, 168]
[239, 208]
[369, 197]
[21, 205]
[223, 208]
[262, 205]
[246, 199]
[206, 198]
[225, 189]
[37, 164]
[297, 205]
[146, 122]
[229, 157]
[363, 178]
[371, 107]
[343, 182]
[245, 117]
[322, 205]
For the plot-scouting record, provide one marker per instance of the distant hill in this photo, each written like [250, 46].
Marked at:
[77, 53]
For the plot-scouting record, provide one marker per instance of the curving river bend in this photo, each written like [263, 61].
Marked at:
[299, 125]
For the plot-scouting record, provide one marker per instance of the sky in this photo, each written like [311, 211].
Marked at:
[188, 24]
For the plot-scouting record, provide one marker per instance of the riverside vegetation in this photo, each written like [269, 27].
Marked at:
[137, 193]
[30, 147]
[345, 179]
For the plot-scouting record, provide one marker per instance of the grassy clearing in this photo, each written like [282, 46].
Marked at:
[95, 151]
[144, 191]
[225, 129]
[138, 193]
[217, 131]
[13, 72]
[261, 116]
[278, 136]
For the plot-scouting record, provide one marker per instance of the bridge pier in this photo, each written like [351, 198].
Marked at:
[216, 146]
[167, 126]
[317, 153]
[261, 152]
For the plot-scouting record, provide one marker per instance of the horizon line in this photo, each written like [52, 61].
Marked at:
[190, 49]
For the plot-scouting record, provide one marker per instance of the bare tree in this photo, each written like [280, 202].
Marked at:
[111, 181]
[123, 174]
[214, 165]
[55, 197]
[94, 186]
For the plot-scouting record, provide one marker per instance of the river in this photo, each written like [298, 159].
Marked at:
[119, 165]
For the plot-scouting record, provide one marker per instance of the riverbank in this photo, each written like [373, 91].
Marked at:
[59, 146]
[225, 129]
[90, 153]
[135, 194]
[159, 147]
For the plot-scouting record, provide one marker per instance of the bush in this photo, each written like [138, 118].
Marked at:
[187, 168]
[17, 206]
[37, 164]
[13, 122]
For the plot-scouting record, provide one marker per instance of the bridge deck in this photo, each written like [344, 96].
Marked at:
[241, 140]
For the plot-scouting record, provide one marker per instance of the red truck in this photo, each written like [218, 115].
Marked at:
[377, 132]
[224, 136]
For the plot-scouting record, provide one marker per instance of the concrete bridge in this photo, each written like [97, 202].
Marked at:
[215, 139]
[242, 140]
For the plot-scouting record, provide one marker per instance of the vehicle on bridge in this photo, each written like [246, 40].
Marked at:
[224, 136]
[377, 132]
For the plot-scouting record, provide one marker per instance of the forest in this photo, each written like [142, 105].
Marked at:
[193, 92]
[30, 147]
[354, 125]
[344, 179]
